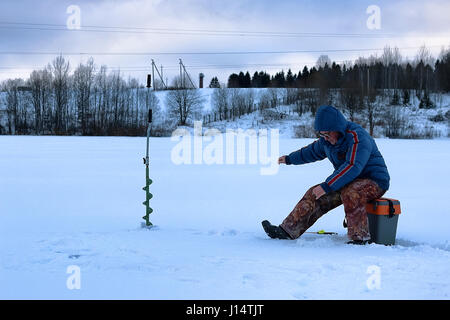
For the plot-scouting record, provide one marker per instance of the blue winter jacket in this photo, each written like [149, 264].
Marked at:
[355, 155]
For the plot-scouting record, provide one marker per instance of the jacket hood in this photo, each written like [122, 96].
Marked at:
[328, 118]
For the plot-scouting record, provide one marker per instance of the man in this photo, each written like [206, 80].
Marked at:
[360, 176]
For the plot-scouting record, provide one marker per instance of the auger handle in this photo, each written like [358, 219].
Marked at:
[150, 116]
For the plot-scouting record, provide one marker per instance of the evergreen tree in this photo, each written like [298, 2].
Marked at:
[255, 82]
[279, 80]
[299, 80]
[408, 79]
[290, 79]
[214, 83]
[312, 79]
[395, 99]
[426, 102]
[265, 79]
[305, 77]
[233, 81]
[442, 72]
[247, 82]
[445, 73]
[336, 76]
[406, 97]
[241, 79]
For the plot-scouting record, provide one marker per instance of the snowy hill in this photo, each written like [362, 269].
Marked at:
[265, 108]
[414, 121]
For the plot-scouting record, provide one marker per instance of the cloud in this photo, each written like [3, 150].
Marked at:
[398, 17]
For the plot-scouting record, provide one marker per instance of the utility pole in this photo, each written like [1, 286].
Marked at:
[181, 75]
[154, 67]
[185, 74]
[153, 75]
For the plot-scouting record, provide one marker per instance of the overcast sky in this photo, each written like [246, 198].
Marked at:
[333, 25]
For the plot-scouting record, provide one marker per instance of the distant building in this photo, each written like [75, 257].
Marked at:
[200, 83]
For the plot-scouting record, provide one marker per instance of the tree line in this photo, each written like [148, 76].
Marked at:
[97, 101]
[87, 102]
[388, 71]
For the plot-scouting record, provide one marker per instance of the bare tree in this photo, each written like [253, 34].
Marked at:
[274, 96]
[133, 85]
[102, 100]
[40, 84]
[423, 62]
[349, 98]
[249, 100]
[391, 59]
[60, 70]
[152, 102]
[35, 83]
[46, 99]
[184, 104]
[291, 95]
[264, 100]
[424, 55]
[322, 61]
[220, 101]
[12, 103]
[83, 81]
[237, 102]
[117, 88]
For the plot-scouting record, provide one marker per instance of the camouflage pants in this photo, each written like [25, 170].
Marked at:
[354, 197]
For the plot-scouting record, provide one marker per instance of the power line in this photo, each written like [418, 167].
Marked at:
[198, 53]
[196, 66]
[206, 66]
[203, 32]
[144, 68]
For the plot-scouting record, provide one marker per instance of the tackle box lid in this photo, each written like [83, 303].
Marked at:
[384, 206]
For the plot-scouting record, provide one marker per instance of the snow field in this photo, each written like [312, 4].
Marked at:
[78, 201]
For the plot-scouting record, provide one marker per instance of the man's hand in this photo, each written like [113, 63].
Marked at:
[282, 159]
[318, 192]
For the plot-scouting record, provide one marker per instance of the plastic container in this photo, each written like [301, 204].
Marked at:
[383, 216]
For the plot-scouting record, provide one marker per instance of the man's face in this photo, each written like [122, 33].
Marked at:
[330, 136]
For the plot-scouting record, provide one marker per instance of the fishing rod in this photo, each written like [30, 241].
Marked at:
[322, 232]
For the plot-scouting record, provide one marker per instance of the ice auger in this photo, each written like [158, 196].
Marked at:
[148, 181]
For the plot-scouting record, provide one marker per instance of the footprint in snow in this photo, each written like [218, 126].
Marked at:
[230, 232]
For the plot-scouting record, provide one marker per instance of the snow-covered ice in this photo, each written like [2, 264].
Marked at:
[78, 201]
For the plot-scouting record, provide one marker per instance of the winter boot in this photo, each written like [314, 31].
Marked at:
[275, 232]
